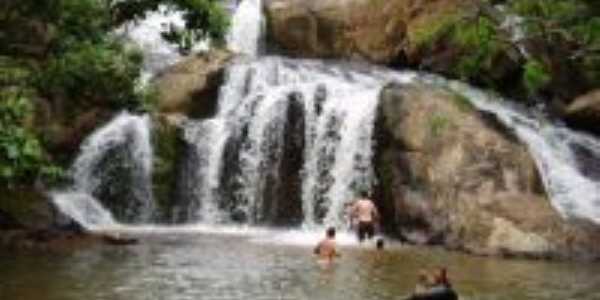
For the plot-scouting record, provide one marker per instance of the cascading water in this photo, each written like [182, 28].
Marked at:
[115, 158]
[247, 29]
[291, 143]
[568, 161]
[250, 153]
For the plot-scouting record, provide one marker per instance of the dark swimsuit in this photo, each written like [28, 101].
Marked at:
[365, 229]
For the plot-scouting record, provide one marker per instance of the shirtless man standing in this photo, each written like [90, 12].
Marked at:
[326, 248]
[365, 213]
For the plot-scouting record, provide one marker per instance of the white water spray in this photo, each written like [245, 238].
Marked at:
[247, 29]
[129, 132]
[555, 148]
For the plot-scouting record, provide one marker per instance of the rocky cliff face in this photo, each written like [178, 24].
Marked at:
[455, 177]
[191, 86]
[379, 31]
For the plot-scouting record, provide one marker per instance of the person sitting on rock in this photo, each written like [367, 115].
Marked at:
[326, 249]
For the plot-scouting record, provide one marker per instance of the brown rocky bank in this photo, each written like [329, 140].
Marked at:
[453, 176]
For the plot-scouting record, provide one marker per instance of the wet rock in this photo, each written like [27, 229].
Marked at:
[239, 215]
[452, 177]
[169, 156]
[584, 112]
[26, 207]
[285, 205]
[8, 222]
[191, 86]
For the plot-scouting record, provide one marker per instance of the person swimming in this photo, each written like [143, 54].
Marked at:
[326, 248]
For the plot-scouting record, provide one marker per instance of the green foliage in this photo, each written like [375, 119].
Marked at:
[22, 156]
[478, 39]
[565, 32]
[426, 36]
[91, 74]
[437, 124]
[64, 51]
[555, 10]
[535, 76]
[80, 20]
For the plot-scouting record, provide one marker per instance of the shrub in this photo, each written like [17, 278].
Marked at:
[22, 156]
[535, 76]
[480, 44]
[94, 74]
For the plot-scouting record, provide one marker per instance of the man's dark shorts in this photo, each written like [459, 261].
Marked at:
[365, 230]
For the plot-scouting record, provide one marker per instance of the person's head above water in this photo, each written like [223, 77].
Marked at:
[330, 232]
[380, 244]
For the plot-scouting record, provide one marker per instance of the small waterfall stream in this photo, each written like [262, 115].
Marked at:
[114, 163]
[292, 142]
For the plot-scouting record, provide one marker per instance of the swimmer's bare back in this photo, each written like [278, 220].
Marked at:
[364, 210]
[326, 250]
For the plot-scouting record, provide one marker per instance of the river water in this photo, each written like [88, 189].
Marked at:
[201, 263]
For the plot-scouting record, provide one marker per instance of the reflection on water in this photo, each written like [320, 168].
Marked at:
[194, 265]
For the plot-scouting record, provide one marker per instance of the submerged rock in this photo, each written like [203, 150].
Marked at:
[456, 177]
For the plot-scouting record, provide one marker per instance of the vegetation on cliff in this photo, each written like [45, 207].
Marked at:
[525, 48]
[61, 65]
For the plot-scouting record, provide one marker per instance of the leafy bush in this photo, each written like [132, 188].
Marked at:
[22, 156]
[535, 76]
[94, 74]
[478, 39]
[427, 36]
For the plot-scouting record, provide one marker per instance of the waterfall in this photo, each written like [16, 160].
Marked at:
[115, 163]
[244, 168]
[292, 142]
[568, 161]
[247, 29]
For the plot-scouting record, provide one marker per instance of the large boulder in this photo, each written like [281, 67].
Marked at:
[453, 176]
[380, 31]
[373, 30]
[191, 86]
[584, 112]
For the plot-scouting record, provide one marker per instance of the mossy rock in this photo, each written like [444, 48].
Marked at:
[27, 206]
[168, 144]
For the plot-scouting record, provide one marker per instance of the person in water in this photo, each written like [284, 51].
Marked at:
[326, 249]
[380, 244]
[434, 286]
[364, 215]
